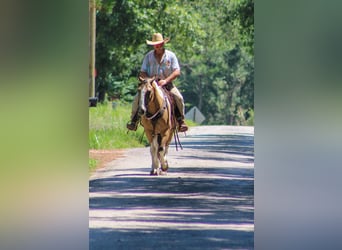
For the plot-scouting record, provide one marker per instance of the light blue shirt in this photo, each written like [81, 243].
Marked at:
[162, 70]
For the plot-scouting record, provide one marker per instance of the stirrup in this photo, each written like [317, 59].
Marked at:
[182, 127]
[132, 125]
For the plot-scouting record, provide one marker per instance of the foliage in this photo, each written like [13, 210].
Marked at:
[213, 40]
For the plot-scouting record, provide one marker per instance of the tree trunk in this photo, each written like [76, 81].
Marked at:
[230, 116]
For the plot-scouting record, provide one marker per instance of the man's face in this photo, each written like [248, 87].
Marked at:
[158, 48]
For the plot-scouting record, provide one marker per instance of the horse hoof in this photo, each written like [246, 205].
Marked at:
[165, 167]
[154, 172]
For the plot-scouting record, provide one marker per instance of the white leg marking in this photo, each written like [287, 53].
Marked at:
[163, 158]
[154, 153]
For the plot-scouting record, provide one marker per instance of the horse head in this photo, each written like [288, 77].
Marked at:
[146, 88]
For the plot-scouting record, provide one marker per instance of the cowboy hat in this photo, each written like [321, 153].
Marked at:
[157, 38]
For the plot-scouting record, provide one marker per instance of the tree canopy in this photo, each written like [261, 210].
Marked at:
[213, 40]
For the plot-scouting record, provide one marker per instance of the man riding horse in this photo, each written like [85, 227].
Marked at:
[162, 64]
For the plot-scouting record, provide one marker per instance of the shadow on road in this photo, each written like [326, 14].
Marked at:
[188, 213]
[209, 208]
[229, 144]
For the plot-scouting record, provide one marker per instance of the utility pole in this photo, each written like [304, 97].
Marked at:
[92, 42]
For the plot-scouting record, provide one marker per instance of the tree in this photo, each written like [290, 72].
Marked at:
[219, 75]
[213, 40]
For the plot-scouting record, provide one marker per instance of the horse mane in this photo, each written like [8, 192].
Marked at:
[158, 89]
[158, 92]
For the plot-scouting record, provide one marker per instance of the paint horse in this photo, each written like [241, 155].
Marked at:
[158, 122]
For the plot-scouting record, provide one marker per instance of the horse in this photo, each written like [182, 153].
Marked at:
[157, 119]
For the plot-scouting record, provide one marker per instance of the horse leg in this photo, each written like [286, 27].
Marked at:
[163, 160]
[163, 149]
[154, 155]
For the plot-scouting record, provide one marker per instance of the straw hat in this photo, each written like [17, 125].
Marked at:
[157, 38]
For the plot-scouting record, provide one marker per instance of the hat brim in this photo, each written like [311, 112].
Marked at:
[157, 42]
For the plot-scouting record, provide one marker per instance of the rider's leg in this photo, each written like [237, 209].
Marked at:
[180, 105]
[133, 123]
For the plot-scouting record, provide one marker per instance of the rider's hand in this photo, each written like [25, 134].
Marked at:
[161, 82]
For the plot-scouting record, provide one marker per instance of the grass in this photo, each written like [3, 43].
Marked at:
[92, 164]
[107, 129]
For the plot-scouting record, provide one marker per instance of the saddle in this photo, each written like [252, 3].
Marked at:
[175, 113]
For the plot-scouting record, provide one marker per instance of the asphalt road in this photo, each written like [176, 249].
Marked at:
[206, 201]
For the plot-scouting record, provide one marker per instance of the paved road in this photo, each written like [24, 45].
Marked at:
[204, 202]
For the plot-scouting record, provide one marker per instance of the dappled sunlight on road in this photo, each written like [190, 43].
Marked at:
[206, 201]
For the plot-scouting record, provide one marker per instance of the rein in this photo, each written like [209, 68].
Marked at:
[177, 140]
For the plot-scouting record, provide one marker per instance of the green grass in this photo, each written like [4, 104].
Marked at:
[92, 164]
[107, 128]
[191, 123]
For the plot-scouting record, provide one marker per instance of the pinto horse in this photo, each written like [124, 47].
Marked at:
[158, 122]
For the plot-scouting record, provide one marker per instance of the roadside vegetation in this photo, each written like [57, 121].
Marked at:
[92, 164]
[107, 129]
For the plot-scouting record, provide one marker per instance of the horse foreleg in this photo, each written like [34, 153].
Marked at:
[162, 157]
[165, 142]
[154, 155]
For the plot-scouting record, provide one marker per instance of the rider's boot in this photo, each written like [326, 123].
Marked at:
[182, 127]
[133, 124]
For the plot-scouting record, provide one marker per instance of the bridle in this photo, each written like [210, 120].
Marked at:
[161, 110]
[159, 113]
